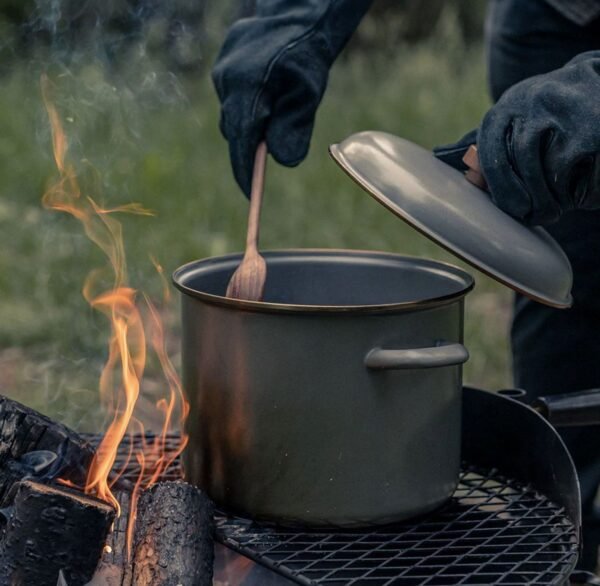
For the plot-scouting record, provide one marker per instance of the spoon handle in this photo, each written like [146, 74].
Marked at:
[473, 173]
[258, 183]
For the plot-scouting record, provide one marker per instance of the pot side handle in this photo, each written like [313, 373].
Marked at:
[432, 357]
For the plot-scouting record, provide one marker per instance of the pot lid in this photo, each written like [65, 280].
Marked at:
[438, 201]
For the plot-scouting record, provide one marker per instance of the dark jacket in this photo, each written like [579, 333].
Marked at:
[581, 12]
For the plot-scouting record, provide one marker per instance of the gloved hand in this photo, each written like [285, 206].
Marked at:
[272, 72]
[539, 146]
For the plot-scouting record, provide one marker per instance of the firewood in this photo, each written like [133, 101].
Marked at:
[50, 529]
[114, 568]
[175, 517]
[30, 440]
[173, 543]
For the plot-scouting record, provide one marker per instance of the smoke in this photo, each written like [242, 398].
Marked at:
[113, 64]
[123, 76]
[72, 30]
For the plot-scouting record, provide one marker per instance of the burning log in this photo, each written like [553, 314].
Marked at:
[114, 568]
[32, 445]
[49, 530]
[173, 542]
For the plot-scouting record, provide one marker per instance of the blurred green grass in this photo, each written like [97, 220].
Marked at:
[143, 135]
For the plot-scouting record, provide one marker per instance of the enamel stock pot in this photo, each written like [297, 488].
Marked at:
[337, 399]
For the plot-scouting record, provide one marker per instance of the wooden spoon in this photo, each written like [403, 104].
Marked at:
[473, 173]
[248, 281]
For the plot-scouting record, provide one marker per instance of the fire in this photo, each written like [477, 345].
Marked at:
[136, 328]
[127, 351]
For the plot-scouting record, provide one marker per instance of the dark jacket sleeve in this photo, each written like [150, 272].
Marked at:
[581, 12]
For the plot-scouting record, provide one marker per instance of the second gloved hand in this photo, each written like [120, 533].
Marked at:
[272, 72]
[539, 146]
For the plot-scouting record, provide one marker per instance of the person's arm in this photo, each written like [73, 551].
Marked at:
[539, 146]
[272, 72]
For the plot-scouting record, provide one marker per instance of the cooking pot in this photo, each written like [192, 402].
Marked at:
[337, 399]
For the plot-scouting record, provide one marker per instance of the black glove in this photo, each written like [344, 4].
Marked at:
[539, 146]
[272, 72]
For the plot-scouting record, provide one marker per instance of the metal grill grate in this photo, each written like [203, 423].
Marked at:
[126, 466]
[492, 531]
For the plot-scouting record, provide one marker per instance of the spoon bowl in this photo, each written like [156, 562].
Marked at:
[248, 281]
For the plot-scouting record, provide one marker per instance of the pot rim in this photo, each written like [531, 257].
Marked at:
[270, 307]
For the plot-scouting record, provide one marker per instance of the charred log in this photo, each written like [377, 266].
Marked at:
[173, 543]
[114, 568]
[49, 530]
[34, 446]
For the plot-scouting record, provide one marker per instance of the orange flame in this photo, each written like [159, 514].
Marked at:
[121, 377]
[127, 348]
